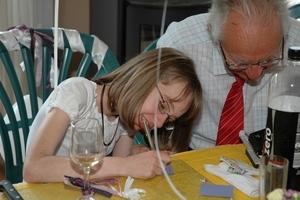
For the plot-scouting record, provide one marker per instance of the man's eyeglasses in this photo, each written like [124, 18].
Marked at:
[263, 63]
[164, 108]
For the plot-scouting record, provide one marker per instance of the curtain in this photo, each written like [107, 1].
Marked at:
[32, 13]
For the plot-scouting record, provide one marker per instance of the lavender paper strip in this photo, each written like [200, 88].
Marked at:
[78, 182]
[216, 190]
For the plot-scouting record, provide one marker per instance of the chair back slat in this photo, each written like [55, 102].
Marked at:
[16, 172]
[16, 87]
[11, 130]
[31, 79]
[46, 90]
[109, 64]
[84, 65]
[64, 66]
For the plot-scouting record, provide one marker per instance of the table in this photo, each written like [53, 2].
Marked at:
[189, 173]
[197, 158]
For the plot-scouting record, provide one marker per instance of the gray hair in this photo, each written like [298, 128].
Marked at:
[258, 11]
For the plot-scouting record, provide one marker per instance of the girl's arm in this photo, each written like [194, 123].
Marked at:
[41, 165]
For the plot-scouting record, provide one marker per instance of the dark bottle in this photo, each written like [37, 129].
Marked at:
[282, 136]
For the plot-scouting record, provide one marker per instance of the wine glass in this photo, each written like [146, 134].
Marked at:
[86, 148]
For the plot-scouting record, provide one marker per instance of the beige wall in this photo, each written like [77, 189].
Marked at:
[74, 14]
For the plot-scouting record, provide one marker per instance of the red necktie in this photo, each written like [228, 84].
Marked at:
[232, 117]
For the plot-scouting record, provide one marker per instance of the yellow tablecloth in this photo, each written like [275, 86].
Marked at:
[197, 158]
[189, 172]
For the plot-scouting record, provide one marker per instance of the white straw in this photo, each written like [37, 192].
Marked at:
[155, 129]
[55, 42]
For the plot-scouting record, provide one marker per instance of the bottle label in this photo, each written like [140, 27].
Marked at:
[297, 147]
[280, 136]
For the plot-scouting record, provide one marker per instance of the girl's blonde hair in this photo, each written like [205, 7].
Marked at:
[132, 82]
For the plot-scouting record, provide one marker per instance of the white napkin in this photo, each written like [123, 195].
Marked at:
[238, 174]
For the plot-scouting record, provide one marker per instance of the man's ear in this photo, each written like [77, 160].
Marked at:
[209, 26]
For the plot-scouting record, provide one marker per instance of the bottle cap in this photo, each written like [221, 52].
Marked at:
[294, 53]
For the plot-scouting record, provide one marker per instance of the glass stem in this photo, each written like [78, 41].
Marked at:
[86, 172]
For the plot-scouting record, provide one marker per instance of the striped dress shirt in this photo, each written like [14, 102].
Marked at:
[191, 36]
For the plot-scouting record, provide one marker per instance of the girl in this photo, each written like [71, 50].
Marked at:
[122, 100]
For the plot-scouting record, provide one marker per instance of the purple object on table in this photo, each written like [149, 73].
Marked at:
[169, 170]
[216, 190]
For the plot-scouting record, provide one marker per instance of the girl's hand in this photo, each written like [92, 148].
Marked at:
[146, 165]
[138, 148]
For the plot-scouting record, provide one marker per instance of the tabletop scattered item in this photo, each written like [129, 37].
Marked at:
[238, 167]
[238, 174]
[216, 190]
[273, 174]
[78, 182]
[109, 186]
[132, 194]
[283, 194]
[169, 170]
[9, 190]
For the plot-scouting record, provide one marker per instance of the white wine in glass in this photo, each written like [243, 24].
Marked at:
[86, 148]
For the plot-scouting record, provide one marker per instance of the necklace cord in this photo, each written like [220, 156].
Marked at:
[101, 106]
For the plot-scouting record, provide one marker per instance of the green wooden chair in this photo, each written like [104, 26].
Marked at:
[295, 10]
[17, 118]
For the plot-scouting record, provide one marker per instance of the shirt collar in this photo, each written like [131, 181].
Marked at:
[218, 61]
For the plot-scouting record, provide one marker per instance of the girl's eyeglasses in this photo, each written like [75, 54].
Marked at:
[164, 108]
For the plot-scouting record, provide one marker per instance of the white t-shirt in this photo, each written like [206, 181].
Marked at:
[77, 98]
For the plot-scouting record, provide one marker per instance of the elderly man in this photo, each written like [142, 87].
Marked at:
[240, 42]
